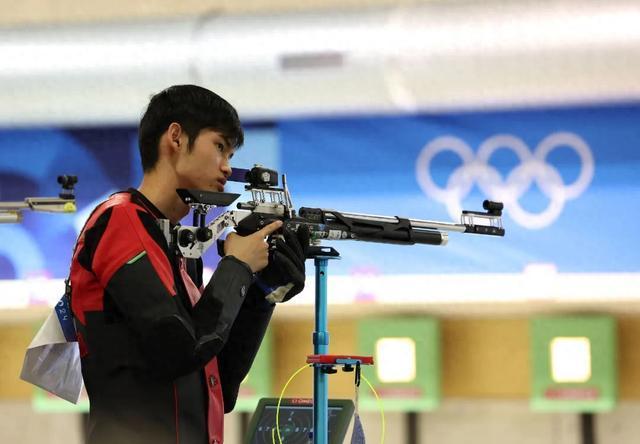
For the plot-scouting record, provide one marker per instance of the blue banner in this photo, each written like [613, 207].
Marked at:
[569, 178]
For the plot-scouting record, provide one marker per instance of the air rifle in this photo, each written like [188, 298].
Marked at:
[269, 203]
[11, 212]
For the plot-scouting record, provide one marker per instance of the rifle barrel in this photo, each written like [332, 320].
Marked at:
[415, 223]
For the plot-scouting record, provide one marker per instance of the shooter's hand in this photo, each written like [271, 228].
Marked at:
[253, 250]
[284, 277]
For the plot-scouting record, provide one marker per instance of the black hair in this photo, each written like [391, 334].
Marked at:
[194, 108]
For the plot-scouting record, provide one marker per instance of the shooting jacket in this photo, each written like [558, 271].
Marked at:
[162, 358]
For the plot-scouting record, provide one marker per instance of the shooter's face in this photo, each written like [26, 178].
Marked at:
[206, 165]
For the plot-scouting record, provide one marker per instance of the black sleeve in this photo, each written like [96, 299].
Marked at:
[236, 358]
[171, 342]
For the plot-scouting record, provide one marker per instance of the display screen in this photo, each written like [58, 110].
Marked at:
[296, 423]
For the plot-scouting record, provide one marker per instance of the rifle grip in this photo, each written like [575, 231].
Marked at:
[254, 222]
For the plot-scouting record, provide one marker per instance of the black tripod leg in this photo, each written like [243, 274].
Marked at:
[587, 428]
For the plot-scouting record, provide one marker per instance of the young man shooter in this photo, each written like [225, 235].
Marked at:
[162, 358]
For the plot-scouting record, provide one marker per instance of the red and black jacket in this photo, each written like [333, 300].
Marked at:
[158, 369]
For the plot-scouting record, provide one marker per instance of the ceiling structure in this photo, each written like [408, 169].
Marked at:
[404, 58]
[30, 12]
[100, 63]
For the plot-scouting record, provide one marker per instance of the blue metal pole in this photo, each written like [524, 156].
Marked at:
[320, 347]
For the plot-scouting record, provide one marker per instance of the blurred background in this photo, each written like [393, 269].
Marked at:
[407, 108]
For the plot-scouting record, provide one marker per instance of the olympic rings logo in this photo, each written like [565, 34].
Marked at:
[533, 168]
